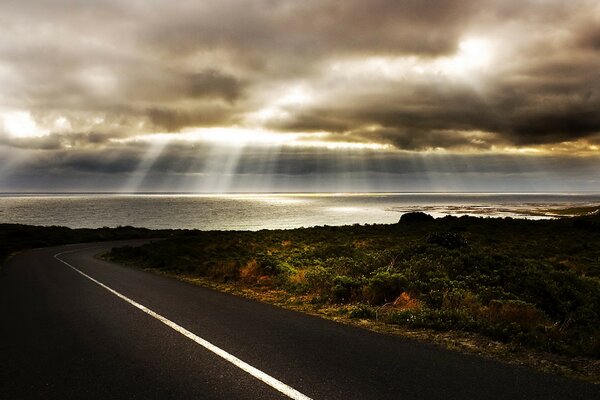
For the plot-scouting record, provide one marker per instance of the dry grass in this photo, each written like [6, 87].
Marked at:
[406, 302]
[298, 277]
[250, 272]
[471, 343]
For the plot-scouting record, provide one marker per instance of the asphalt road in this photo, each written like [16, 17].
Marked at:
[65, 336]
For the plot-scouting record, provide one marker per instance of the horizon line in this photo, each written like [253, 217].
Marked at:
[571, 192]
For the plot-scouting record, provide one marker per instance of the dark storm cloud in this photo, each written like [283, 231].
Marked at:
[176, 159]
[93, 74]
[540, 110]
[314, 28]
[302, 162]
[429, 139]
[177, 169]
[211, 82]
[314, 120]
[52, 142]
[173, 119]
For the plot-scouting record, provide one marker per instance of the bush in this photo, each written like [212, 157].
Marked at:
[535, 283]
[225, 271]
[363, 311]
[268, 265]
[593, 348]
[384, 287]
[449, 240]
[250, 271]
[433, 319]
[318, 278]
[345, 288]
[518, 312]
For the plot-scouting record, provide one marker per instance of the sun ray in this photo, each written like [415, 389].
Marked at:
[11, 161]
[136, 178]
[220, 165]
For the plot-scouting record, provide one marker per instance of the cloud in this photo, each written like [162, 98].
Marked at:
[453, 75]
[185, 168]
[174, 119]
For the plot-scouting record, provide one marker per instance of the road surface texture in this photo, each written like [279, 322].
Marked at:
[75, 327]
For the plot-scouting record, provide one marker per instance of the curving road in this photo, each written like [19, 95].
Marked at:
[76, 327]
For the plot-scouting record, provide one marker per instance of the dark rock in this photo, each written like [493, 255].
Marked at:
[415, 217]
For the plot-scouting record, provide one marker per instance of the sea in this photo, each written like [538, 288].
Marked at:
[272, 210]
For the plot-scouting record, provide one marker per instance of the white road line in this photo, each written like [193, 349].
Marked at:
[258, 374]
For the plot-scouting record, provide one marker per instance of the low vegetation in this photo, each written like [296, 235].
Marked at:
[524, 284]
[534, 284]
[14, 237]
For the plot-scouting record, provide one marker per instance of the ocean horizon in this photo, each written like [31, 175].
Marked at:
[273, 210]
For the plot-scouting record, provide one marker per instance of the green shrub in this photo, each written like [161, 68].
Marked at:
[345, 288]
[406, 317]
[319, 279]
[449, 240]
[363, 311]
[269, 265]
[535, 283]
[384, 287]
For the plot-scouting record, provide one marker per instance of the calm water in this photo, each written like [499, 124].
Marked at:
[268, 211]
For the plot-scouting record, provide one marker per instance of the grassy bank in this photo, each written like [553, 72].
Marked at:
[525, 290]
[531, 284]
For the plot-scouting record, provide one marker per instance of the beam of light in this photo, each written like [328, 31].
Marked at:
[143, 168]
[267, 162]
[354, 163]
[418, 162]
[263, 169]
[20, 124]
[534, 166]
[11, 160]
[193, 173]
[220, 166]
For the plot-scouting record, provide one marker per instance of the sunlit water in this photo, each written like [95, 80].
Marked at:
[268, 211]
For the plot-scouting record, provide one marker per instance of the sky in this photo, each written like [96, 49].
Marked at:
[288, 95]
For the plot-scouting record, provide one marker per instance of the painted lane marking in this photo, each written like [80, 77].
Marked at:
[258, 374]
